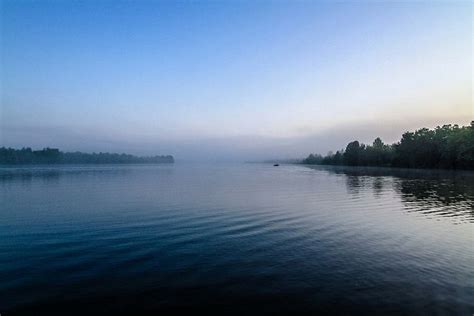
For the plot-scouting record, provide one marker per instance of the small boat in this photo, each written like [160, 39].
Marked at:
[276, 165]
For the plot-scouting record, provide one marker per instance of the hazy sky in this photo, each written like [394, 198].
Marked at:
[230, 79]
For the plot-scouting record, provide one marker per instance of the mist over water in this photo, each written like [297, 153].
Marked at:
[219, 148]
[235, 238]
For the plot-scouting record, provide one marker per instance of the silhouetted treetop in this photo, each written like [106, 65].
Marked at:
[448, 146]
[10, 156]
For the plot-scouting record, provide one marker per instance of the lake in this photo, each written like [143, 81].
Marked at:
[235, 238]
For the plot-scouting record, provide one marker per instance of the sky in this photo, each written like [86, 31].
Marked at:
[230, 80]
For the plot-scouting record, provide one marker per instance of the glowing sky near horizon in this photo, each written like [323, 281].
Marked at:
[143, 76]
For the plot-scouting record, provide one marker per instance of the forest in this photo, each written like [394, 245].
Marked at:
[10, 156]
[447, 147]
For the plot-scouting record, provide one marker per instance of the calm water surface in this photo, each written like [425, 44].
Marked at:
[243, 238]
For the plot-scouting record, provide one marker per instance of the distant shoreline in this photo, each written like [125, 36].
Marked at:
[48, 156]
[445, 147]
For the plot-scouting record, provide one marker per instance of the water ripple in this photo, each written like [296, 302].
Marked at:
[324, 239]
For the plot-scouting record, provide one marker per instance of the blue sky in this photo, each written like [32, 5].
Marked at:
[233, 79]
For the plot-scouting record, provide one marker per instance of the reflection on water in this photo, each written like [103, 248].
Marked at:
[51, 172]
[429, 192]
[237, 238]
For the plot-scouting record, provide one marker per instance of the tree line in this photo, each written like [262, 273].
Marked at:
[448, 146]
[11, 156]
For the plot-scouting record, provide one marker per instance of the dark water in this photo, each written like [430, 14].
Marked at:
[244, 238]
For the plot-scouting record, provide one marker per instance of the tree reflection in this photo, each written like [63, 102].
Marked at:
[51, 175]
[377, 186]
[430, 192]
